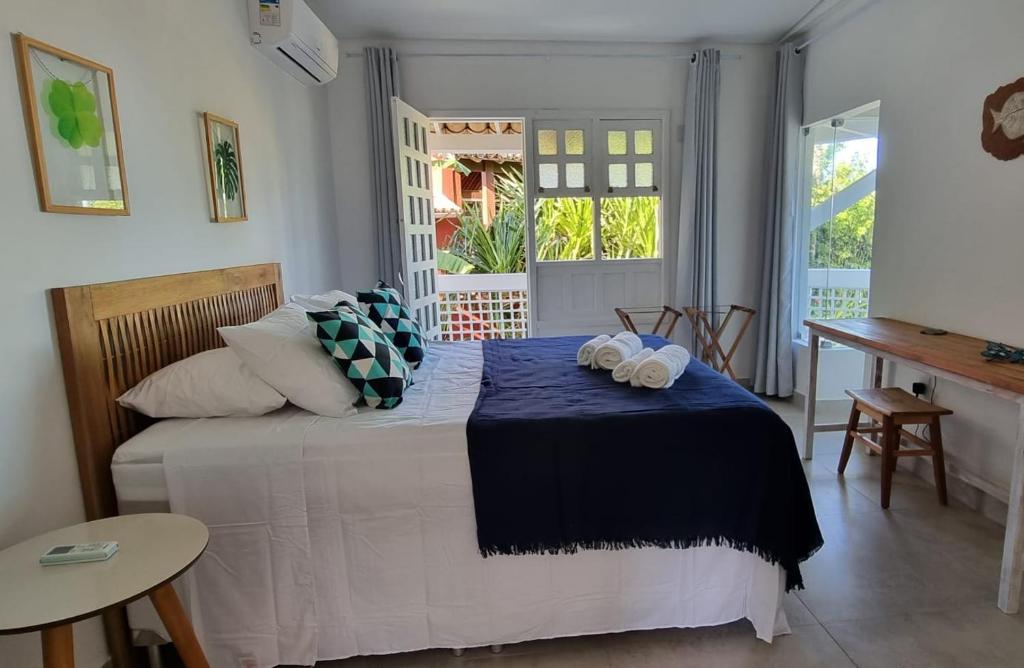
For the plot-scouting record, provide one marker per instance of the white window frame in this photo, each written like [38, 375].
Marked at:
[630, 158]
[561, 158]
[596, 159]
[801, 283]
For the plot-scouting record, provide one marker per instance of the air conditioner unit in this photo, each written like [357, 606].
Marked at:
[291, 35]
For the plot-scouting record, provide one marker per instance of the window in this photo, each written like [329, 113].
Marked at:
[621, 216]
[837, 216]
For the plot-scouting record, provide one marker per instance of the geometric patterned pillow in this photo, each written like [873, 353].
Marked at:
[364, 355]
[388, 311]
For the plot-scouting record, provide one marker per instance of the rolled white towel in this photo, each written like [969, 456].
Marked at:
[611, 353]
[625, 369]
[585, 355]
[661, 369]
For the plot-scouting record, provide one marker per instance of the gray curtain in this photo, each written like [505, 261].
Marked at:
[381, 86]
[696, 274]
[774, 373]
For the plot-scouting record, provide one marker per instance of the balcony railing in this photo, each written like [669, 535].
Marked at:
[483, 306]
[492, 306]
[838, 293]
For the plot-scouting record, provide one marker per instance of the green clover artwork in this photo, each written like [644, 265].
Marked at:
[74, 107]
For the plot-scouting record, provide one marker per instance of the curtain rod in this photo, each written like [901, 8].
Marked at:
[799, 25]
[838, 24]
[647, 56]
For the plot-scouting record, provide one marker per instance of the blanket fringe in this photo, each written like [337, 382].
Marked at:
[794, 580]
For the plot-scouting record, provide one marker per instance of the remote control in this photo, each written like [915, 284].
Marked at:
[74, 554]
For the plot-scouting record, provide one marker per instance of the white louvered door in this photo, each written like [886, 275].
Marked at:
[419, 241]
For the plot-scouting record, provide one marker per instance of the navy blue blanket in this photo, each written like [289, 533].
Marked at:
[564, 458]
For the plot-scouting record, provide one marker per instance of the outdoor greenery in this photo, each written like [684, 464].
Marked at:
[498, 248]
[449, 161]
[629, 227]
[564, 225]
[846, 242]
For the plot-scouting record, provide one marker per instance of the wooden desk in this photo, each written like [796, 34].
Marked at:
[954, 357]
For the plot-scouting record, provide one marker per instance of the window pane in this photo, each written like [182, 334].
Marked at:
[629, 227]
[574, 142]
[839, 216]
[616, 142]
[643, 174]
[574, 175]
[547, 142]
[643, 142]
[564, 228]
[618, 176]
[548, 175]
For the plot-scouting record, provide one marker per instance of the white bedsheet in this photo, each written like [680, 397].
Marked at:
[337, 537]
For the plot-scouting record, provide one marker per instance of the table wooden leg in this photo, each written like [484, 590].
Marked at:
[878, 372]
[1013, 543]
[119, 644]
[173, 616]
[58, 647]
[812, 399]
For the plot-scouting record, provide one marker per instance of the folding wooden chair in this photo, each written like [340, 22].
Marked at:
[709, 338]
[668, 317]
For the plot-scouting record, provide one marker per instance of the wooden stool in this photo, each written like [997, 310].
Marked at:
[893, 408]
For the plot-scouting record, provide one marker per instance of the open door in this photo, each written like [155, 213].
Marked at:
[419, 244]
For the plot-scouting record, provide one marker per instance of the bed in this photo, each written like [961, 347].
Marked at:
[337, 537]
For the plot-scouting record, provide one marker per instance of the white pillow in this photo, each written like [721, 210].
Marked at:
[282, 349]
[324, 302]
[213, 383]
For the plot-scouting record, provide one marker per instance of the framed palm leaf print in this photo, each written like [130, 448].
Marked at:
[224, 160]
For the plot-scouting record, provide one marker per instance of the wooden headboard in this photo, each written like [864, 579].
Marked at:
[112, 335]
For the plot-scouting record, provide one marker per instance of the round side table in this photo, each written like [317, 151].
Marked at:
[154, 549]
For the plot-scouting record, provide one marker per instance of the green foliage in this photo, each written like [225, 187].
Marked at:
[629, 227]
[74, 106]
[564, 227]
[227, 168]
[498, 248]
[564, 230]
[844, 242]
[450, 263]
[450, 162]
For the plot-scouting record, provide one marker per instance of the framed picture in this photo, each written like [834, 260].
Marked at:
[74, 133]
[224, 159]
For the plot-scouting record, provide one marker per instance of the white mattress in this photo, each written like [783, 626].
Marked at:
[390, 552]
[435, 407]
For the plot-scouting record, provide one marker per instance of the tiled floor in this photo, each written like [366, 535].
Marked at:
[913, 586]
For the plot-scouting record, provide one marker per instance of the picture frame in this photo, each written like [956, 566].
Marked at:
[224, 163]
[74, 131]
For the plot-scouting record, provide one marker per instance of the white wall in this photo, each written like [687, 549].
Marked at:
[949, 227]
[170, 60]
[506, 85]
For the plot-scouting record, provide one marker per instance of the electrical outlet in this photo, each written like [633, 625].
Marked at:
[919, 389]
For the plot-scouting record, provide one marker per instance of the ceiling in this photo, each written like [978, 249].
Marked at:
[741, 21]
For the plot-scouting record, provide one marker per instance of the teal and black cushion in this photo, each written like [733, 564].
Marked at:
[364, 355]
[389, 311]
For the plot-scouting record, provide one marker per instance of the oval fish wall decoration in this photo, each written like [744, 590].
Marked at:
[1002, 132]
